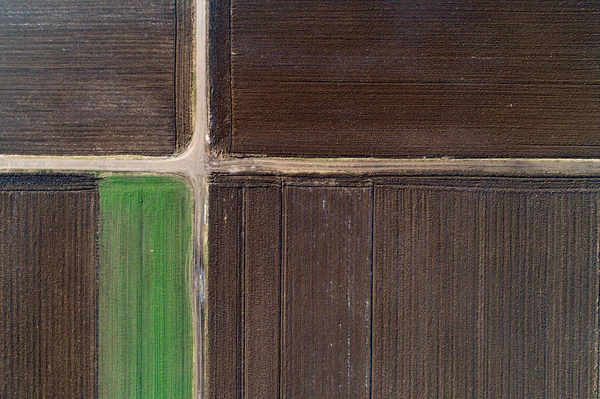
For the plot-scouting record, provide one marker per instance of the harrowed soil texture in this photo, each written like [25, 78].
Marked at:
[405, 79]
[48, 289]
[402, 287]
[95, 77]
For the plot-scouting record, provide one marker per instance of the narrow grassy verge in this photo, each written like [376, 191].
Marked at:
[145, 312]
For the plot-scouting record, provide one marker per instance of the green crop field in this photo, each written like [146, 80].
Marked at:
[145, 312]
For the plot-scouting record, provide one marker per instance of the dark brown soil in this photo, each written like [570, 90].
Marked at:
[95, 78]
[390, 79]
[48, 286]
[402, 287]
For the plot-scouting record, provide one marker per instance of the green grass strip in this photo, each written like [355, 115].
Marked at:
[145, 311]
